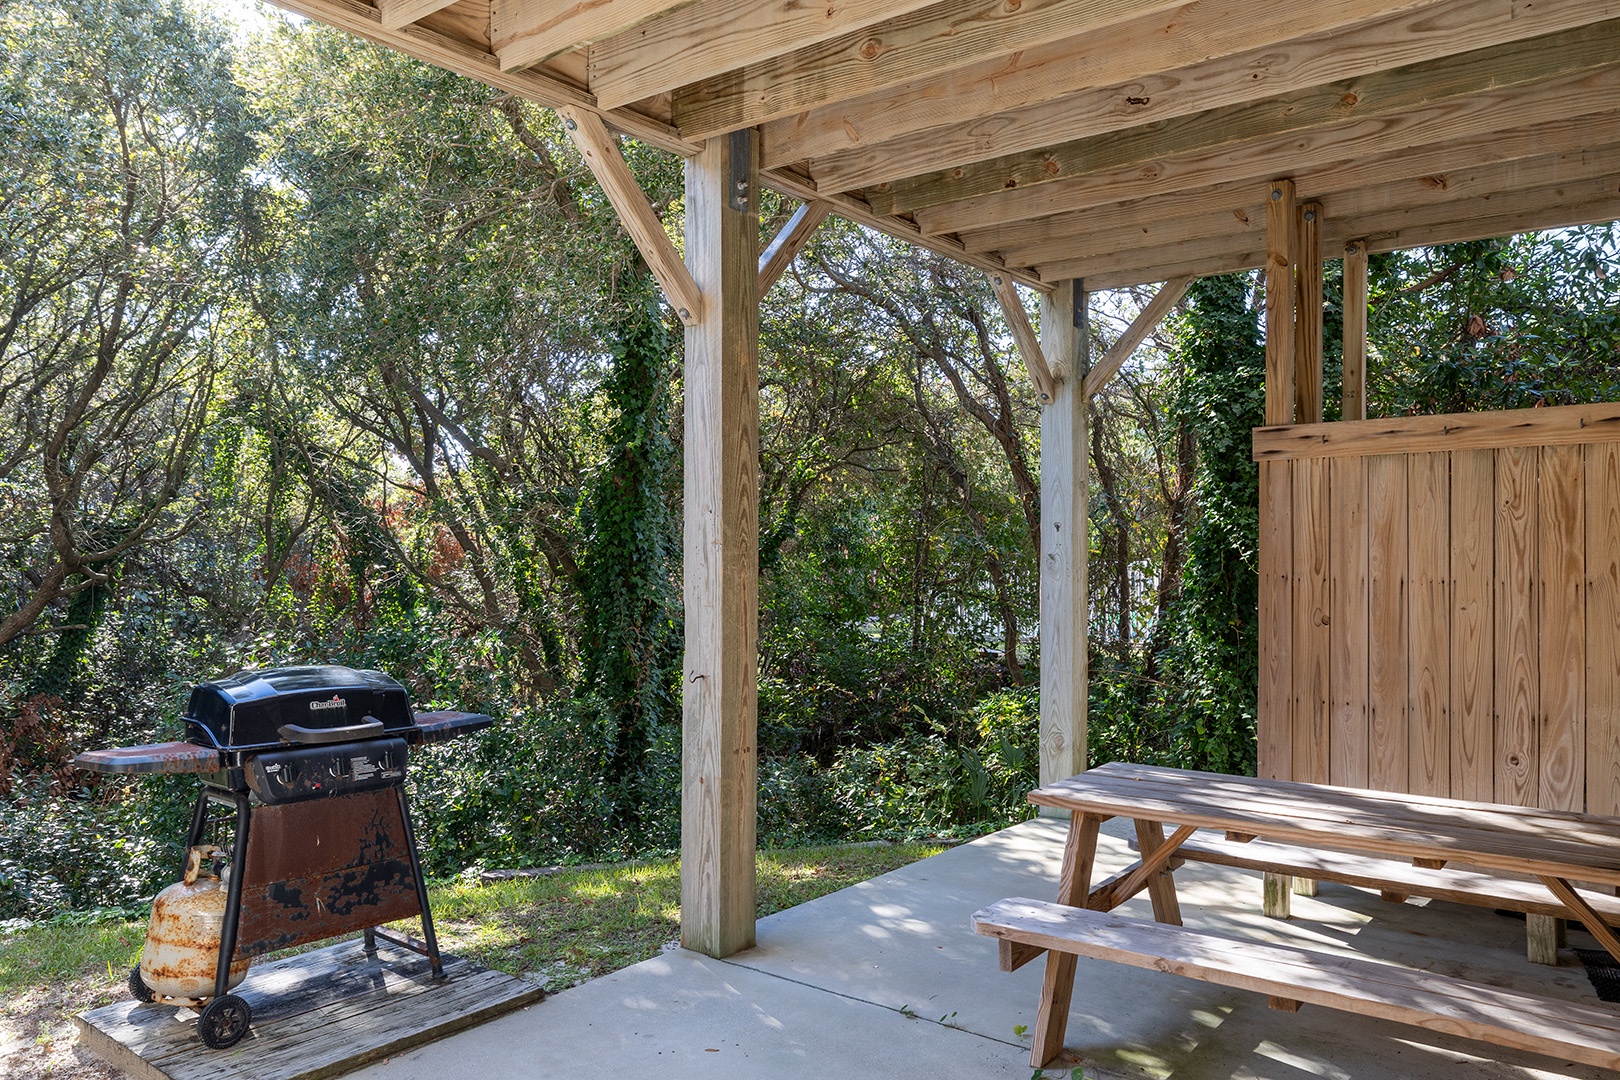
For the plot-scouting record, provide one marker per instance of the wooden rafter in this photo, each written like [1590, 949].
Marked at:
[475, 61]
[1078, 88]
[918, 45]
[1587, 202]
[1168, 296]
[1298, 116]
[849, 208]
[525, 32]
[601, 152]
[396, 14]
[709, 38]
[1029, 346]
[1482, 116]
[789, 241]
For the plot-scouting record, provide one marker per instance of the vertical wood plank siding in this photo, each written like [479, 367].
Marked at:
[1444, 621]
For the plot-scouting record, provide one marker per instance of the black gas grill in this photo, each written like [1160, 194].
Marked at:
[302, 775]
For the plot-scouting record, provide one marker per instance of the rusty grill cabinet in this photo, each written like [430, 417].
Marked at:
[305, 768]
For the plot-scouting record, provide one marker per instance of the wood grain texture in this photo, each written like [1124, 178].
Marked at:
[1557, 425]
[1387, 643]
[319, 1014]
[1299, 115]
[922, 43]
[1479, 115]
[1275, 708]
[1393, 875]
[525, 32]
[1603, 629]
[1024, 338]
[1281, 247]
[1428, 702]
[715, 36]
[1473, 681]
[1561, 627]
[720, 699]
[601, 152]
[1353, 387]
[1308, 359]
[1517, 689]
[1064, 548]
[1312, 651]
[397, 14]
[1563, 1029]
[1082, 87]
[1347, 622]
[472, 59]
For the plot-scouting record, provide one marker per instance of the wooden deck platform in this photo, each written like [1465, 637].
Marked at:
[318, 1014]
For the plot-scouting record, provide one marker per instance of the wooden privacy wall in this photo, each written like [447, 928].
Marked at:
[1440, 605]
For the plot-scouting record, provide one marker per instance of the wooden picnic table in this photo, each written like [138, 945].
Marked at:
[1556, 848]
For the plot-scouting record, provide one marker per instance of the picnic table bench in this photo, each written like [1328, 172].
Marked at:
[1315, 828]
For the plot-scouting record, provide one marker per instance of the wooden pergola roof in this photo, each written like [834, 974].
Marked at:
[1116, 141]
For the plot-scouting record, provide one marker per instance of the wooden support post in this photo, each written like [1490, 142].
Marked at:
[600, 150]
[1169, 294]
[1304, 886]
[1308, 316]
[1275, 707]
[1281, 221]
[1029, 346]
[1354, 397]
[1543, 934]
[720, 697]
[1277, 896]
[786, 245]
[1064, 505]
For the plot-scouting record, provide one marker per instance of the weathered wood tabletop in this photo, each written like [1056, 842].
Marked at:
[1555, 847]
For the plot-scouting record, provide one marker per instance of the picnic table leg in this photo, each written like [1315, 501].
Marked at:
[1162, 886]
[1057, 987]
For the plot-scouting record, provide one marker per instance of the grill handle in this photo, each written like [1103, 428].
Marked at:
[369, 728]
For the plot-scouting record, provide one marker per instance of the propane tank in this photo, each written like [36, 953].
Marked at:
[181, 955]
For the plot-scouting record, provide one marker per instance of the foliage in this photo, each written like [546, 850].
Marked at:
[1214, 678]
[629, 628]
[1509, 323]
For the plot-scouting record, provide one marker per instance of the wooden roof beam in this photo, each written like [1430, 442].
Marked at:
[1386, 94]
[918, 45]
[1554, 152]
[791, 240]
[397, 14]
[475, 62]
[706, 39]
[1592, 202]
[525, 32]
[1481, 115]
[1029, 346]
[1078, 88]
[1148, 320]
[794, 184]
[601, 152]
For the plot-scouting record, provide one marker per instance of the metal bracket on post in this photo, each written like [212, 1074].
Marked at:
[737, 166]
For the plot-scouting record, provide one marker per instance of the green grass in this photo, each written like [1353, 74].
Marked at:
[561, 928]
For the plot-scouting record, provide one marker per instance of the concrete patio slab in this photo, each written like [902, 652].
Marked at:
[885, 979]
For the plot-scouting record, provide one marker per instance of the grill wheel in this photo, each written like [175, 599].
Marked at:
[224, 1021]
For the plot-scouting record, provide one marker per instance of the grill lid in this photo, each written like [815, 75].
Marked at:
[269, 707]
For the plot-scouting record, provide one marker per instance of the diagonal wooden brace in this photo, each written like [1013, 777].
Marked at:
[601, 152]
[1029, 346]
[786, 245]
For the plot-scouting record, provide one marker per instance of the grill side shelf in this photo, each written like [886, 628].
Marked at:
[167, 757]
[432, 727]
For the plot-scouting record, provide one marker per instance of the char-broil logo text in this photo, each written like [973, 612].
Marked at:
[335, 703]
